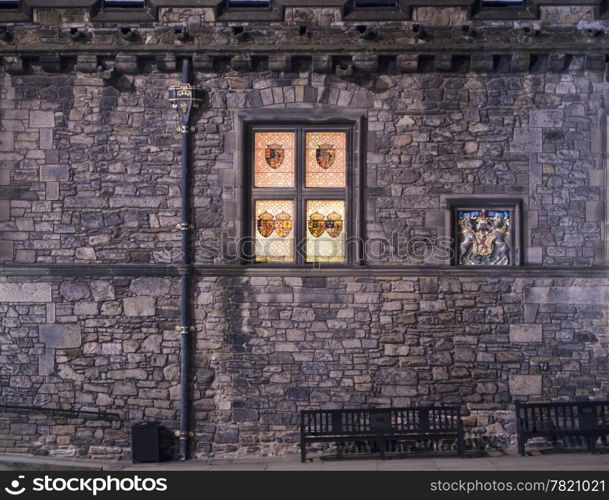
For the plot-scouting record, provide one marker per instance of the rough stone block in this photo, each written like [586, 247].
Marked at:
[407, 63]
[139, 306]
[25, 292]
[526, 140]
[525, 385]
[126, 63]
[46, 138]
[594, 210]
[46, 362]
[42, 119]
[7, 141]
[6, 250]
[534, 255]
[365, 63]
[102, 290]
[593, 295]
[5, 176]
[526, 333]
[86, 63]
[72, 291]
[54, 172]
[546, 118]
[5, 210]
[85, 253]
[150, 286]
[226, 435]
[60, 336]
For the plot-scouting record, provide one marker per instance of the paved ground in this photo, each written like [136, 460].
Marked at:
[554, 462]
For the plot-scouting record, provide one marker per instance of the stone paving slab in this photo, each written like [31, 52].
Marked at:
[553, 462]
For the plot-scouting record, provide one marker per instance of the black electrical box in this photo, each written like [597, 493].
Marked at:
[145, 442]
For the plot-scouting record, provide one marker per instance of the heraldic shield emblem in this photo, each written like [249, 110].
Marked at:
[265, 224]
[317, 224]
[325, 155]
[334, 224]
[274, 155]
[283, 224]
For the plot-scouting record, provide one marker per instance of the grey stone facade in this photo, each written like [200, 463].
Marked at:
[89, 181]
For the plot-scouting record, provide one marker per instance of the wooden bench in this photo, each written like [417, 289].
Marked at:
[380, 426]
[579, 421]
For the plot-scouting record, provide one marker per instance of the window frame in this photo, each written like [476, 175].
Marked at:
[300, 194]
[21, 13]
[399, 12]
[127, 14]
[528, 9]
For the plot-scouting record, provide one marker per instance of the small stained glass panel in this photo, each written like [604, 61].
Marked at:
[326, 159]
[484, 237]
[274, 227]
[325, 231]
[274, 154]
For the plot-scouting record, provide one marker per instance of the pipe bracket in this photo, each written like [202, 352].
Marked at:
[184, 226]
[185, 330]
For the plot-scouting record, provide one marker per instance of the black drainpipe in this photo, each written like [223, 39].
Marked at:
[184, 97]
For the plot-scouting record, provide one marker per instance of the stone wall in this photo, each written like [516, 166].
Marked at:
[452, 107]
[92, 166]
[268, 347]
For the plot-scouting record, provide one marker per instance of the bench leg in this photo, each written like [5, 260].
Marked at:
[382, 445]
[521, 442]
[460, 445]
[591, 442]
[303, 451]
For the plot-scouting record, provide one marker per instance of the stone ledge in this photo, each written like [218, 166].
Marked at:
[37, 270]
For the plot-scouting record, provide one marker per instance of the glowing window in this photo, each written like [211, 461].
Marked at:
[300, 211]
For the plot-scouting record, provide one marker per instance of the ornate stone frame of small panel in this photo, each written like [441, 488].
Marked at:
[488, 223]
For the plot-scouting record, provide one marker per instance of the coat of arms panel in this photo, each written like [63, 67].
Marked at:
[274, 154]
[325, 234]
[484, 237]
[274, 221]
[326, 159]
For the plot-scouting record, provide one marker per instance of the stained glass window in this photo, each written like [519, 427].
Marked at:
[274, 159]
[484, 237]
[299, 194]
[274, 226]
[326, 159]
[325, 236]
